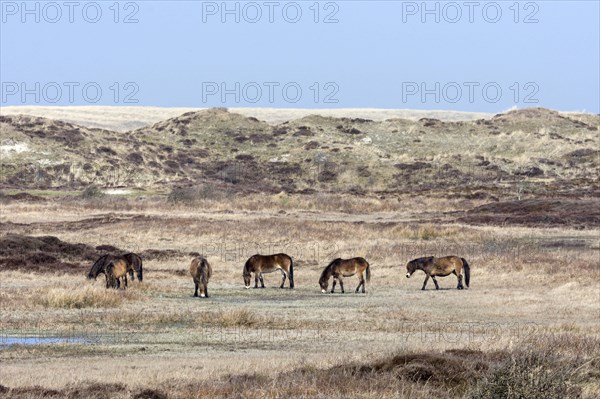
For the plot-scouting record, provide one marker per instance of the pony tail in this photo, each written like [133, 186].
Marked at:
[368, 272]
[141, 276]
[291, 273]
[467, 269]
[209, 268]
[204, 270]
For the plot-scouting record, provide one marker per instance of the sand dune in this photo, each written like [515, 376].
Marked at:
[128, 118]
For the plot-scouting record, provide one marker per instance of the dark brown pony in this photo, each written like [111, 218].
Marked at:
[110, 266]
[100, 267]
[339, 268]
[440, 267]
[134, 264]
[259, 264]
[201, 271]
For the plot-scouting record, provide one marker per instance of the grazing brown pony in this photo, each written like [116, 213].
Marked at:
[201, 271]
[259, 264]
[134, 264]
[133, 261]
[339, 268]
[115, 269]
[441, 267]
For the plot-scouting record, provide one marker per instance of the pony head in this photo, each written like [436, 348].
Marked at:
[417, 264]
[324, 282]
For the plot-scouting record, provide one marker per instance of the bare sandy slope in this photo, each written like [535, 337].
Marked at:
[128, 118]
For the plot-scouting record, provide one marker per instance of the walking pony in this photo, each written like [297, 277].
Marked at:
[440, 267]
[201, 272]
[339, 268]
[259, 264]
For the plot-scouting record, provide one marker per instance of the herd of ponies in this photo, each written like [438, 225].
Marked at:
[116, 268]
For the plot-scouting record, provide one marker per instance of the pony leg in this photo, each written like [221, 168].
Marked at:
[262, 281]
[333, 286]
[255, 280]
[341, 285]
[425, 282]
[125, 277]
[361, 283]
[364, 283]
[437, 287]
[205, 290]
[460, 284]
[282, 278]
[196, 290]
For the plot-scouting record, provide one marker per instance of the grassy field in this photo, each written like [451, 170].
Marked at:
[528, 324]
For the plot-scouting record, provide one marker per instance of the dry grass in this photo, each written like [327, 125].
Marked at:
[84, 297]
[320, 203]
[300, 343]
[236, 317]
[522, 372]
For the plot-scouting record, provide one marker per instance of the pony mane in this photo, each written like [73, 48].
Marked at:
[245, 272]
[98, 266]
[423, 259]
[328, 268]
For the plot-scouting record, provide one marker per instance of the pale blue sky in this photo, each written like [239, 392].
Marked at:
[379, 54]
